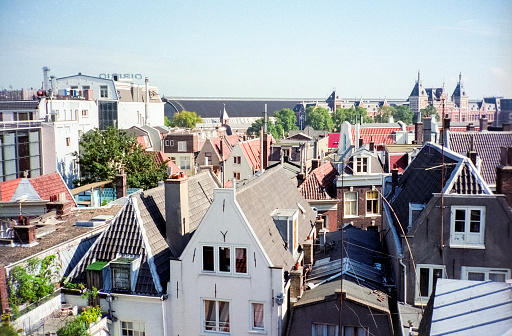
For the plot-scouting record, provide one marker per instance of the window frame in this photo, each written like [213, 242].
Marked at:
[424, 298]
[355, 201]
[465, 270]
[366, 329]
[237, 160]
[103, 91]
[186, 164]
[252, 322]
[182, 146]
[85, 113]
[468, 235]
[236, 175]
[232, 260]
[362, 164]
[414, 207]
[372, 200]
[324, 327]
[134, 332]
[217, 319]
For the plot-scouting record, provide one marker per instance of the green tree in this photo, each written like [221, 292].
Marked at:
[429, 111]
[275, 130]
[338, 117]
[319, 118]
[403, 113]
[286, 119]
[384, 113]
[167, 122]
[104, 153]
[185, 119]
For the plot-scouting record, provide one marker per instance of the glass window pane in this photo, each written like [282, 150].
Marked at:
[208, 264]
[424, 279]
[475, 221]
[476, 276]
[318, 330]
[460, 218]
[257, 309]
[331, 330]
[224, 259]
[223, 316]
[241, 260]
[210, 315]
[497, 277]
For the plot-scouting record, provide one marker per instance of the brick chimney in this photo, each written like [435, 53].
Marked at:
[504, 175]
[427, 129]
[176, 212]
[470, 127]
[484, 123]
[394, 180]
[315, 163]
[121, 188]
[24, 234]
[360, 142]
[296, 288]
[418, 133]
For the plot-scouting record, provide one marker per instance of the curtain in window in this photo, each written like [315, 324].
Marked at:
[241, 260]
[210, 315]
[224, 316]
[258, 315]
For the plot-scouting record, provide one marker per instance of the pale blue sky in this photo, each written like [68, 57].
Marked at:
[264, 48]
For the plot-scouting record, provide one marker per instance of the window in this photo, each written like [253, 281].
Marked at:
[237, 159]
[236, 175]
[68, 141]
[467, 226]
[185, 162]
[216, 316]
[362, 165]
[324, 329]
[350, 208]
[104, 91]
[414, 212]
[173, 159]
[372, 202]
[225, 259]
[133, 329]
[182, 146]
[121, 277]
[427, 275]
[483, 274]
[85, 113]
[355, 331]
[257, 322]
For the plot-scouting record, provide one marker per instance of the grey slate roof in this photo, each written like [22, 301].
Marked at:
[259, 196]
[139, 229]
[463, 307]
[211, 108]
[423, 177]
[487, 146]
[19, 105]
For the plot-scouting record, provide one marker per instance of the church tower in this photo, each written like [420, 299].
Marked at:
[418, 99]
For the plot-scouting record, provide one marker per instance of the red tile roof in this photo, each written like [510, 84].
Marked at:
[8, 188]
[251, 151]
[50, 185]
[380, 136]
[160, 158]
[319, 183]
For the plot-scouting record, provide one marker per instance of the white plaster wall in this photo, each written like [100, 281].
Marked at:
[189, 285]
[93, 82]
[244, 167]
[133, 114]
[131, 308]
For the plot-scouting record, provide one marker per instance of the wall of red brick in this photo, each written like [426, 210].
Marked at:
[4, 302]
[361, 220]
[331, 220]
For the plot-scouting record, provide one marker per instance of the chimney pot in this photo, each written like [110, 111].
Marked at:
[484, 124]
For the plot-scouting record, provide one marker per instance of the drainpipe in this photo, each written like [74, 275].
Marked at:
[162, 298]
[405, 280]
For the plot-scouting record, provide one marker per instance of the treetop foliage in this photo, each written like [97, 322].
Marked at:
[185, 119]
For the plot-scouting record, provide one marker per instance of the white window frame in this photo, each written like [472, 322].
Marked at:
[137, 328]
[424, 298]
[485, 270]
[185, 165]
[324, 331]
[217, 321]
[359, 165]
[414, 207]
[85, 113]
[253, 327]
[236, 175]
[373, 214]
[103, 91]
[232, 260]
[467, 239]
[182, 146]
[237, 160]
[356, 201]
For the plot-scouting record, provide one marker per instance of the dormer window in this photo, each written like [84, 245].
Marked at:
[124, 271]
[362, 165]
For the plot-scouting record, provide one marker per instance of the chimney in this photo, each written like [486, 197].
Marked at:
[372, 145]
[296, 279]
[446, 129]
[146, 101]
[484, 123]
[315, 163]
[394, 180]
[418, 132]
[504, 175]
[307, 247]
[470, 127]
[427, 129]
[360, 142]
[506, 127]
[472, 155]
[357, 132]
[176, 212]
[121, 188]
[265, 144]
[25, 234]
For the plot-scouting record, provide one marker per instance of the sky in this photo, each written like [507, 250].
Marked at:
[268, 49]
